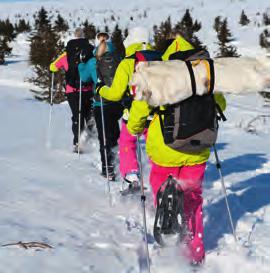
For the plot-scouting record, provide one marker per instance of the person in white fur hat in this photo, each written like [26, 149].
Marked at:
[137, 39]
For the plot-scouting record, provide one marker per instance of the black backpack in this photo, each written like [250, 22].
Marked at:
[191, 125]
[78, 50]
[106, 67]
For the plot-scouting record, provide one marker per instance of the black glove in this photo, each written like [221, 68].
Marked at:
[99, 85]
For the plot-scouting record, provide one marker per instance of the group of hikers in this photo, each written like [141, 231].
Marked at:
[103, 80]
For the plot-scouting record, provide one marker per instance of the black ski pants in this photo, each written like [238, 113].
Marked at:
[112, 113]
[86, 110]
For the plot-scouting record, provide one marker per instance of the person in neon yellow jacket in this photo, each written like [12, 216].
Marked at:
[186, 168]
[138, 39]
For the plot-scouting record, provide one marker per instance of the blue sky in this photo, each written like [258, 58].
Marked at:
[6, 1]
[17, 0]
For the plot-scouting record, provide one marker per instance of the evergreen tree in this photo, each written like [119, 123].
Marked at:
[7, 34]
[125, 33]
[224, 38]
[7, 30]
[266, 18]
[187, 28]
[106, 29]
[117, 40]
[89, 30]
[22, 26]
[4, 49]
[243, 19]
[217, 23]
[60, 25]
[45, 46]
[162, 34]
[42, 22]
[265, 39]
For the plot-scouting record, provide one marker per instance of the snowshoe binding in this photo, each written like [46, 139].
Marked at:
[131, 184]
[169, 218]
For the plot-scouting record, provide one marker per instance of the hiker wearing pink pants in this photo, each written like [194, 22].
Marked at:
[128, 151]
[190, 180]
[138, 39]
[187, 168]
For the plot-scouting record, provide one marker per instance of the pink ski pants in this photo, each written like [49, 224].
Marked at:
[127, 151]
[190, 179]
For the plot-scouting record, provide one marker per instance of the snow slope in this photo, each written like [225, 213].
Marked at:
[100, 13]
[49, 195]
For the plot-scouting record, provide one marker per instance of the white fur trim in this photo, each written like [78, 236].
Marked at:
[168, 82]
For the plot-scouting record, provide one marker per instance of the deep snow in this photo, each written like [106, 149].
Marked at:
[50, 195]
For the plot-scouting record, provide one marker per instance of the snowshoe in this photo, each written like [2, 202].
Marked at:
[131, 184]
[169, 218]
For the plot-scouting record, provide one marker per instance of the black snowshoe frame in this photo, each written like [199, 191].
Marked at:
[170, 205]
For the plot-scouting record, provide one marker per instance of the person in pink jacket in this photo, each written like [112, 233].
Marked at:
[69, 61]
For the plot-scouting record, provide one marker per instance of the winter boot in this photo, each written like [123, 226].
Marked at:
[77, 149]
[111, 174]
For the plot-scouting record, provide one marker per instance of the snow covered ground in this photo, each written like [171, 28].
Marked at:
[49, 195]
[151, 12]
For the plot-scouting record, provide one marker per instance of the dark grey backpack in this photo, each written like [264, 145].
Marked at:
[106, 67]
[191, 125]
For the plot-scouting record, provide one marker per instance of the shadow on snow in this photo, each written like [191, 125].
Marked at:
[246, 196]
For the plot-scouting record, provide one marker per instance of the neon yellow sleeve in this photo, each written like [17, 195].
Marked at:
[139, 112]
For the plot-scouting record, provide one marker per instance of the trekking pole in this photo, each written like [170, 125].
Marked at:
[143, 199]
[80, 113]
[218, 165]
[104, 142]
[48, 144]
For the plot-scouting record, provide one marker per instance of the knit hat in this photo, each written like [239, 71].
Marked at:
[137, 35]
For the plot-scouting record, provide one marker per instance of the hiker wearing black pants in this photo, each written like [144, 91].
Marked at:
[112, 113]
[69, 61]
[86, 111]
[100, 70]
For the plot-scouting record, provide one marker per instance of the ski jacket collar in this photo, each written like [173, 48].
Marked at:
[130, 50]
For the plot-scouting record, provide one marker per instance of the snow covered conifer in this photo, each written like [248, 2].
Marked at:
[187, 28]
[162, 33]
[106, 29]
[266, 18]
[217, 23]
[45, 46]
[42, 22]
[243, 19]
[22, 26]
[7, 30]
[89, 30]
[117, 40]
[265, 39]
[224, 38]
[5, 49]
[60, 25]
[125, 32]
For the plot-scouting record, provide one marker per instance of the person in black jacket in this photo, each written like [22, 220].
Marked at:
[69, 61]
